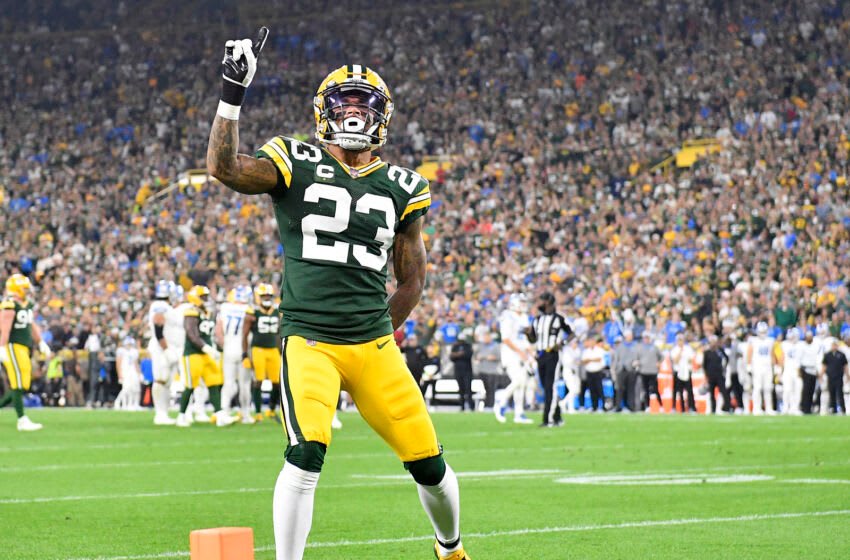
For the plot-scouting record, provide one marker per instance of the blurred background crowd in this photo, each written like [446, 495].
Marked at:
[555, 122]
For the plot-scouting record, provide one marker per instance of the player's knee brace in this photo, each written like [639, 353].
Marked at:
[427, 472]
[308, 455]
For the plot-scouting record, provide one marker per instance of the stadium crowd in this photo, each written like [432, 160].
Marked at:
[552, 117]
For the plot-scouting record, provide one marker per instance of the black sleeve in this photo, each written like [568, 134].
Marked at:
[568, 332]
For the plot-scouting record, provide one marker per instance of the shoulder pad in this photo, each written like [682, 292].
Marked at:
[278, 151]
[191, 311]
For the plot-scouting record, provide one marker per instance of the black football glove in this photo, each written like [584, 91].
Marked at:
[237, 70]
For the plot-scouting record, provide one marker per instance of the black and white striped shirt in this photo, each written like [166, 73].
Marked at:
[548, 330]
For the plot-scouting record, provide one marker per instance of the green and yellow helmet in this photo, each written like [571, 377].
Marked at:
[353, 108]
[264, 295]
[19, 286]
[198, 296]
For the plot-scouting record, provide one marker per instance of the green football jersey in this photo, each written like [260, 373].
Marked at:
[21, 332]
[337, 225]
[264, 329]
[206, 325]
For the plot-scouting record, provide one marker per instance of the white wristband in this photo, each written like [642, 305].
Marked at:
[228, 111]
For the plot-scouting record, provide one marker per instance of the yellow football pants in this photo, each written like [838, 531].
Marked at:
[195, 367]
[18, 365]
[266, 363]
[374, 373]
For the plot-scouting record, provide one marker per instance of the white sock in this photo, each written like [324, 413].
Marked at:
[159, 395]
[200, 397]
[293, 510]
[245, 392]
[442, 504]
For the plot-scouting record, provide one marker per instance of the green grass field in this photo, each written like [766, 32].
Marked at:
[110, 485]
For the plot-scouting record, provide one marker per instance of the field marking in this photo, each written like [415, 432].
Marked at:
[662, 479]
[468, 474]
[816, 480]
[516, 532]
[638, 478]
[405, 480]
[667, 443]
[88, 466]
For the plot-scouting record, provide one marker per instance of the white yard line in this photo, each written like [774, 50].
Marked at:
[673, 442]
[517, 532]
[370, 480]
[816, 480]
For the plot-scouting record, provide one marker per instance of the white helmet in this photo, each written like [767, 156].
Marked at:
[761, 328]
[822, 329]
[162, 289]
[794, 334]
[176, 293]
[518, 303]
[243, 294]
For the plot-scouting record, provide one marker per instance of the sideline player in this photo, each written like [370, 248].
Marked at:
[164, 355]
[17, 334]
[516, 356]
[200, 356]
[792, 384]
[340, 210]
[761, 359]
[263, 353]
[229, 326]
[129, 374]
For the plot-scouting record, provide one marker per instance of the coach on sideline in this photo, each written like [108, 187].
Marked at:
[548, 332]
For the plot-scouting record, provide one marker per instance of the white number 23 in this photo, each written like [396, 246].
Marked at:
[339, 222]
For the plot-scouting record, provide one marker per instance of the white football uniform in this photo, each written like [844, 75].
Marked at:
[512, 327]
[131, 383]
[762, 370]
[166, 362]
[231, 316]
[792, 385]
[569, 361]
[159, 357]
[824, 345]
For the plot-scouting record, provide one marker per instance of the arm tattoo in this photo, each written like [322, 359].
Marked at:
[409, 264]
[244, 174]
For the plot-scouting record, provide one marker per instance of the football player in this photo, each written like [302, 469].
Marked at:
[17, 334]
[516, 357]
[340, 209]
[129, 374]
[200, 356]
[162, 323]
[263, 352]
[792, 384]
[229, 326]
[761, 359]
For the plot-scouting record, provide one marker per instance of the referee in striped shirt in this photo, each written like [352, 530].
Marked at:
[548, 332]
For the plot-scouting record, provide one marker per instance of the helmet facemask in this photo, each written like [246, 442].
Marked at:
[355, 116]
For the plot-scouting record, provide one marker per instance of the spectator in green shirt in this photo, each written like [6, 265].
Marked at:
[785, 314]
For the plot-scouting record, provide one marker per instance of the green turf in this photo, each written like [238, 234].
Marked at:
[114, 486]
